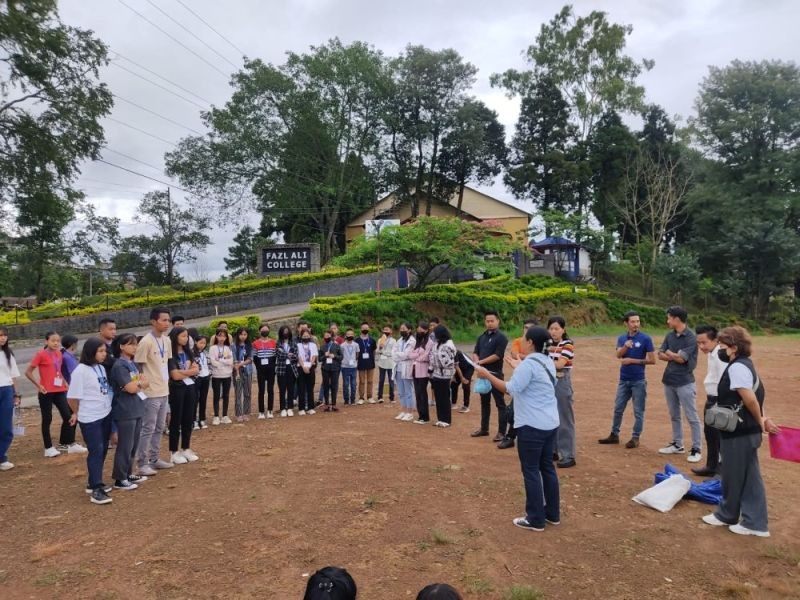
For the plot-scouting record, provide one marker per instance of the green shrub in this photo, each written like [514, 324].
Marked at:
[12, 318]
[250, 322]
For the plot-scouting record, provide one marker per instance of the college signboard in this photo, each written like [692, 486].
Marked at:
[282, 259]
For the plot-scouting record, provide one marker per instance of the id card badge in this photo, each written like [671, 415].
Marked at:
[329, 361]
[264, 362]
[365, 355]
[57, 381]
[188, 381]
[288, 361]
[142, 395]
[164, 372]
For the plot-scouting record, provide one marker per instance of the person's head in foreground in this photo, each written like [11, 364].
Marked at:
[439, 591]
[331, 583]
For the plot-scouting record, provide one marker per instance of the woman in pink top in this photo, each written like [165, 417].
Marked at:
[421, 355]
[52, 388]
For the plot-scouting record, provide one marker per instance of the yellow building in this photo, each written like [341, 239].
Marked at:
[475, 206]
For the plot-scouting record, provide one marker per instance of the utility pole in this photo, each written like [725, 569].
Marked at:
[169, 236]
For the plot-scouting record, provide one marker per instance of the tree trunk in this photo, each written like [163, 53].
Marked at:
[461, 186]
[432, 173]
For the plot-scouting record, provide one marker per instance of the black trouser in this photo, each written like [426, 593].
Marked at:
[221, 386]
[265, 376]
[202, 384]
[712, 438]
[305, 389]
[385, 374]
[128, 432]
[182, 399]
[441, 394]
[330, 386]
[46, 403]
[486, 409]
[454, 392]
[421, 395]
[286, 389]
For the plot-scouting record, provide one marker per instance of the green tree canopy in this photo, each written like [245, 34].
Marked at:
[242, 257]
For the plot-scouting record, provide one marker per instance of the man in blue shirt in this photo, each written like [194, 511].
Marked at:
[635, 350]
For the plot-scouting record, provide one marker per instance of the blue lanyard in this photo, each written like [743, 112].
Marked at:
[161, 346]
[182, 360]
[101, 378]
[366, 343]
[131, 366]
[241, 352]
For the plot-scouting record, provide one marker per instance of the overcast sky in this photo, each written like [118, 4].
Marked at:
[684, 37]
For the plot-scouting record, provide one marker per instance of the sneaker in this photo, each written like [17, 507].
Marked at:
[240, 419]
[6, 466]
[226, 421]
[371, 400]
[290, 413]
[360, 402]
[311, 411]
[100, 497]
[694, 456]
[442, 424]
[334, 409]
[269, 414]
[189, 455]
[420, 422]
[51, 452]
[137, 478]
[612, 438]
[479, 433]
[261, 416]
[711, 519]
[566, 464]
[196, 426]
[408, 417]
[523, 523]
[505, 444]
[125, 484]
[162, 464]
[203, 425]
[302, 413]
[549, 522]
[103, 486]
[741, 530]
[672, 448]
[463, 409]
[400, 417]
[632, 443]
[77, 449]
[283, 413]
[147, 471]
[215, 421]
[178, 458]
[380, 400]
[62, 447]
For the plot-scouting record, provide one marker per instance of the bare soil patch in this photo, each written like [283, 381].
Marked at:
[400, 505]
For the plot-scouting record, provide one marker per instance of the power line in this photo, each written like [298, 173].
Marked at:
[157, 85]
[167, 79]
[203, 21]
[174, 39]
[190, 32]
[152, 135]
[110, 164]
[129, 157]
[160, 116]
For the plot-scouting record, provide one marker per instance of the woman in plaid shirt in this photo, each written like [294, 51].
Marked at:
[286, 369]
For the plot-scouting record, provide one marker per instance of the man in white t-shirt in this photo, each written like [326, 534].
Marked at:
[707, 343]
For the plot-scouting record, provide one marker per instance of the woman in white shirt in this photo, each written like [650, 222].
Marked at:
[9, 398]
[89, 397]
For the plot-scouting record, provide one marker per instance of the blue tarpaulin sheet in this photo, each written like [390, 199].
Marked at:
[710, 491]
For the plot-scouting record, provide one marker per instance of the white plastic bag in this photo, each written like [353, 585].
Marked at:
[19, 428]
[663, 496]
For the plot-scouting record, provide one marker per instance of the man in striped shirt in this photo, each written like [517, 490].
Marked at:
[264, 348]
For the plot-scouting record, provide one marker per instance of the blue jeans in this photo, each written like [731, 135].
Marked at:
[6, 420]
[625, 391]
[349, 384]
[535, 448]
[405, 391]
[96, 435]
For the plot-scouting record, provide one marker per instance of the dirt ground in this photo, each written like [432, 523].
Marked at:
[400, 505]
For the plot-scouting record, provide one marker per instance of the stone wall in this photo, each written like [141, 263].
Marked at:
[137, 317]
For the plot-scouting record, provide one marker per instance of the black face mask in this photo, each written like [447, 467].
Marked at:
[306, 340]
[405, 334]
[350, 338]
[265, 334]
[723, 355]
[327, 339]
[365, 331]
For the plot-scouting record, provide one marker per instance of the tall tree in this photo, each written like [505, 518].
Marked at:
[746, 209]
[179, 233]
[300, 139]
[474, 150]
[242, 257]
[428, 87]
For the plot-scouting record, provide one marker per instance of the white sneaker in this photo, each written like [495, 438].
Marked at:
[420, 422]
[400, 417]
[226, 421]
[302, 413]
[290, 413]
[311, 411]
[745, 531]
[189, 455]
[178, 458]
[51, 452]
[283, 413]
[360, 402]
[215, 421]
[262, 416]
[463, 409]
[441, 424]
[196, 426]
[672, 448]
[371, 401]
[408, 417]
[6, 466]
[694, 456]
[77, 449]
[269, 414]
[711, 519]
[203, 425]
